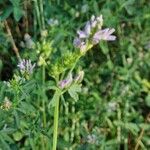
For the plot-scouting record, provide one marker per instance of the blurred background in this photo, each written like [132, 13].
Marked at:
[113, 110]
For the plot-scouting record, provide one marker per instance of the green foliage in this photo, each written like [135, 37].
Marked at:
[14, 8]
[108, 110]
[6, 13]
[74, 90]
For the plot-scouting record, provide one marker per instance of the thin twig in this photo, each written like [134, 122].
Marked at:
[12, 40]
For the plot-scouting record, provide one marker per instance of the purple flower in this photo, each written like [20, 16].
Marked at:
[66, 82]
[90, 25]
[79, 43]
[104, 34]
[92, 34]
[26, 66]
[86, 32]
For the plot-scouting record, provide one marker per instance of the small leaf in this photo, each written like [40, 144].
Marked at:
[7, 138]
[18, 13]
[6, 13]
[73, 91]
[7, 131]
[17, 136]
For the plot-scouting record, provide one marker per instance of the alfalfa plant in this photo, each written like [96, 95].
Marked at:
[91, 35]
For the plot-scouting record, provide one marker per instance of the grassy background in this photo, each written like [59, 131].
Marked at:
[112, 112]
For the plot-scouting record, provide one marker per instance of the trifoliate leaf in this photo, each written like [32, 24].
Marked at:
[74, 90]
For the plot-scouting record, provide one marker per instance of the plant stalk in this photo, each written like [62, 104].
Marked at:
[43, 105]
[42, 14]
[38, 14]
[43, 78]
[56, 117]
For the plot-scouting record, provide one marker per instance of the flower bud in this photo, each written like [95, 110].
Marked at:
[66, 82]
[79, 77]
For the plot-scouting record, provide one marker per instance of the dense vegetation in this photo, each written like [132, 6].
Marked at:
[41, 75]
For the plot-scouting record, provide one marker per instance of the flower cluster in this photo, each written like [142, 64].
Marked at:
[26, 66]
[6, 104]
[15, 81]
[69, 80]
[93, 34]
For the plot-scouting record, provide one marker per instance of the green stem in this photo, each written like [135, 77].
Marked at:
[89, 46]
[35, 24]
[42, 14]
[44, 145]
[38, 14]
[119, 127]
[56, 117]
[74, 64]
[43, 102]
[126, 144]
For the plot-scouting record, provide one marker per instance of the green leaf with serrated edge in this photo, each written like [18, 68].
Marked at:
[73, 91]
